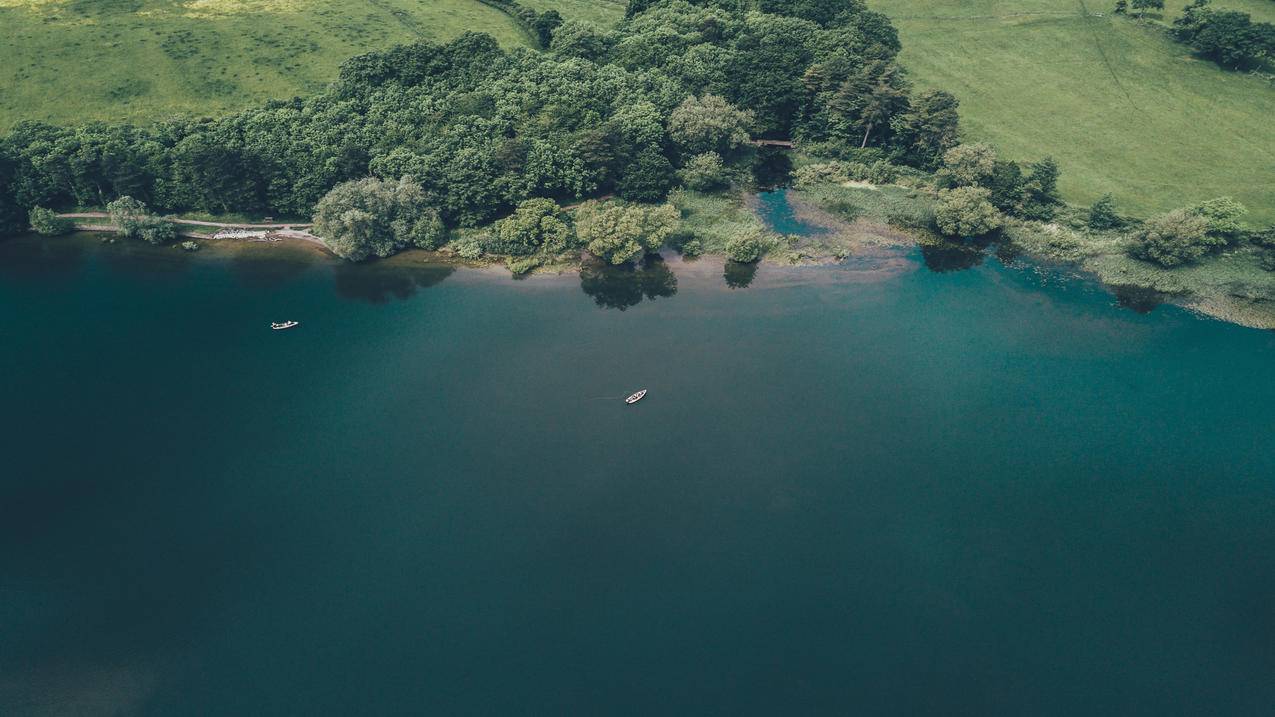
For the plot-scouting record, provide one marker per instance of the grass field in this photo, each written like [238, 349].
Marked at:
[605, 13]
[68, 61]
[1120, 106]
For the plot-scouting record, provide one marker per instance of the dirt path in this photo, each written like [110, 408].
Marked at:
[198, 223]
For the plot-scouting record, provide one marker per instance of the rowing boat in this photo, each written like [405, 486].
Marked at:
[281, 325]
[636, 397]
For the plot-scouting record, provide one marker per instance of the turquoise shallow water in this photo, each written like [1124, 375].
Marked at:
[871, 489]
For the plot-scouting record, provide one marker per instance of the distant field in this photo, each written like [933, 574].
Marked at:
[599, 12]
[69, 61]
[1121, 107]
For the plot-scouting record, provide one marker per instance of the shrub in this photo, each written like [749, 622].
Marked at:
[1176, 238]
[811, 175]
[1222, 216]
[704, 172]
[532, 226]
[746, 248]
[154, 230]
[468, 248]
[691, 248]
[127, 214]
[966, 212]
[190, 246]
[968, 165]
[48, 223]
[619, 234]
[522, 265]
[1103, 216]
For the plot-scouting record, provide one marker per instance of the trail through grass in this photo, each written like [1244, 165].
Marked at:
[1121, 107]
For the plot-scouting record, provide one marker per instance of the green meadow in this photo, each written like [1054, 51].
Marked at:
[1121, 107]
[67, 61]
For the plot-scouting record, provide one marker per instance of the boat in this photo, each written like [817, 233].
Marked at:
[281, 325]
[636, 397]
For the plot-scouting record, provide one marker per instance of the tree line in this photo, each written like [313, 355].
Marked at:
[668, 98]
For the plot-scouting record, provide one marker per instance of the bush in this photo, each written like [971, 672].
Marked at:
[968, 165]
[190, 246]
[619, 234]
[1176, 238]
[966, 212]
[522, 265]
[127, 215]
[533, 225]
[746, 248]
[154, 230]
[704, 172]
[691, 248]
[1222, 216]
[48, 223]
[468, 248]
[1102, 215]
[811, 175]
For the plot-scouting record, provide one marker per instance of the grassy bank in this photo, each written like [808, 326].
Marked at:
[68, 62]
[1122, 108]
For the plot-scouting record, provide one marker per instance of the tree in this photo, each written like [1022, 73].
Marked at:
[535, 225]
[576, 38]
[647, 178]
[1143, 5]
[621, 233]
[1232, 39]
[544, 25]
[928, 128]
[1040, 191]
[1122, 7]
[127, 215]
[709, 124]
[966, 212]
[746, 247]
[47, 222]
[1178, 237]
[374, 217]
[968, 165]
[704, 172]
[1103, 216]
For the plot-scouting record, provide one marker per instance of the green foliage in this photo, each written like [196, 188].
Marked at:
[704, 172]
[647, 178]
[1222, 216]
[47, 222]
[155, 230]
[709, 124]
[127, 214]
[617, 233]
[1178, 237]
[746, 247]
[190, 246]
[470, 248]
[534, 226]
[966, 212]
[1228, 37]
[374, 217]
[968, 165]
[1143, 5]
[581, 39]
[1103, 216]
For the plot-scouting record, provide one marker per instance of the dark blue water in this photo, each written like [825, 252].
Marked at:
[866, 489]
[775, 210]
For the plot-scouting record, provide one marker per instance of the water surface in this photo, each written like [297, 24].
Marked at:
[868, 489]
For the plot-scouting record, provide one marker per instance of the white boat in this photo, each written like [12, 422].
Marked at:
[281, 325]
[636, 397]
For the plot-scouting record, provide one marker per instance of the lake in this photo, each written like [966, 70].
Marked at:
[910, 484]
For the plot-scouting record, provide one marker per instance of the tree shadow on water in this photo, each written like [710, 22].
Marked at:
[378, 282]
[1138, 299]
[624, 286]
[948, 255]
[31, 257]
[739, 275]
